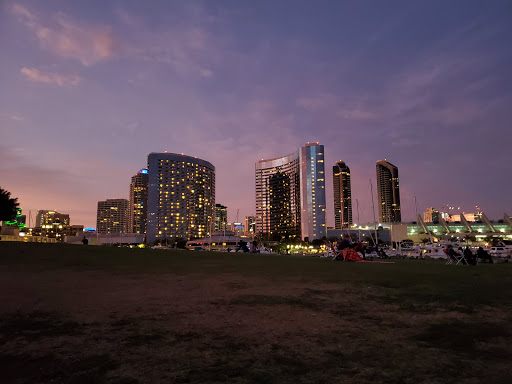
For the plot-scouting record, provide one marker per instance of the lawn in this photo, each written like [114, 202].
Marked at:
[85, 314]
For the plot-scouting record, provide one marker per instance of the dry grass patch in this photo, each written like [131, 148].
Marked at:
[112, 316]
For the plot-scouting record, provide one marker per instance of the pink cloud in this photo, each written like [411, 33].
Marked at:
[67, 38]
[37, 76]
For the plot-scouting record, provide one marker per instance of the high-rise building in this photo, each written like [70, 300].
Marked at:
[44, 217]
[312, 183]
[181, 196]
[53, 224]
[221, 217]
[290, 194]
[112, 216]
[138, 206]
[342, 195]
[280, 203]
[388, 190]
[250, 226]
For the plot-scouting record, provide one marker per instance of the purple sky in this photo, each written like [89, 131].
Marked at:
[89, 88]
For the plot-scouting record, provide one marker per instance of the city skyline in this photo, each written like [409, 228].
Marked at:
[89, 90]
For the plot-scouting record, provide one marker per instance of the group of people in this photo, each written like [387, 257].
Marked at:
[469, 256]
[251, 247]
[349, 251]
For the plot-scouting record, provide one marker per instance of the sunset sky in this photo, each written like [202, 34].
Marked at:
[89, 88]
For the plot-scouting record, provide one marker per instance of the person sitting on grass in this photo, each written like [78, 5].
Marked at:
[482, 254]
[350, 254]
[453, 254]
[359, 248]
[470, 257]
[345, 243]
[382, 254]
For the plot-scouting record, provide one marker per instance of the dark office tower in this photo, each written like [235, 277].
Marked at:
[181, 197]
[342, 195]
[388, 189]
[280, 205]
[112, 216]
[265, 169]
[221, 217]
[138, 207]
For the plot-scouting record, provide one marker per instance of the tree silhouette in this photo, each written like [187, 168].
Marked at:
[8, 206]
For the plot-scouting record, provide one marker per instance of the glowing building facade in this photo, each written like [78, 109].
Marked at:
[431, 215]
[312, 183]
[250, 226]
[138, 206]
[44, 217]
[112, 216]
[181, 196]
[290, 194]
[342, 195]
[388, 190]
[221, 217]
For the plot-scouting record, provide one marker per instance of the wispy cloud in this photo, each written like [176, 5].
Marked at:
[61, 80]
[344, 108]
[11, 117]
[185, 49]
[184, 43]
[67, 38]
[206, 72]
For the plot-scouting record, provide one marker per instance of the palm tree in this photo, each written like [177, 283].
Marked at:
[8, 207]
[469, 238]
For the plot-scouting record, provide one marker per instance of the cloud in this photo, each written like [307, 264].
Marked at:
[186, 49]
[318, 103]
[206, 72]
[67, 38]
[11, 117]
[338, 106]
[185, 42]
[37, 76]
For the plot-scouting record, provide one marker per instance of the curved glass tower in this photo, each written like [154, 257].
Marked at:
[181, 196]
[290, 194]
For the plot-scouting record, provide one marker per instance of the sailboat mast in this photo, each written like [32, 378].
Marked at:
[374, 219]
[359, 223]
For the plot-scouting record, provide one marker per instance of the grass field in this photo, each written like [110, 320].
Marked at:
[84, 314]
